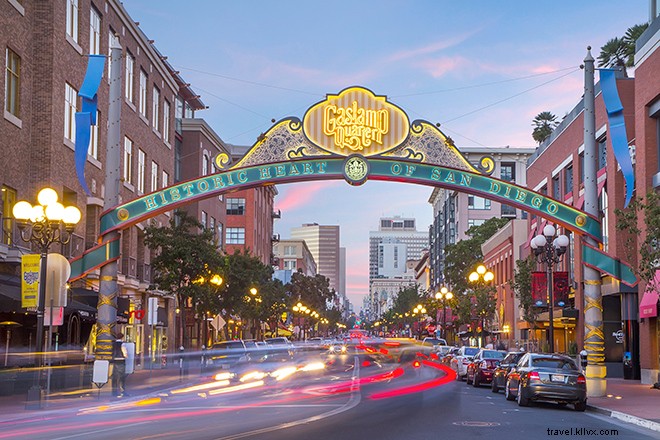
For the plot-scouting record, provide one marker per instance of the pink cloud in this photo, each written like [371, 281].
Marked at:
[297, 196]
[439, 67]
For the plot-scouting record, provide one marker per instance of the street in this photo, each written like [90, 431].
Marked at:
[352, 398]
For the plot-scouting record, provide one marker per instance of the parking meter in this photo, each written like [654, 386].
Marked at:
[203, 358]
[583, 359]
[181, 362]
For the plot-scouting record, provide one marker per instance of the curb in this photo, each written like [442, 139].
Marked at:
[644, 423]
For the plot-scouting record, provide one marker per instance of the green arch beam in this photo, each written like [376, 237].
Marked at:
[331, 168]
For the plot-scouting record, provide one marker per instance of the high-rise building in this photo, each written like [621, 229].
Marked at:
[323, 243]
[391, 248]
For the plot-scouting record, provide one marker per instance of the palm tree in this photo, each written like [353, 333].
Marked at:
[544, 123]
[621, 51]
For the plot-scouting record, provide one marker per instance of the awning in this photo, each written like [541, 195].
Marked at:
[648, 307]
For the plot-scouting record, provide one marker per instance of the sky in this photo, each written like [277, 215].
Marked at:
[483, 69]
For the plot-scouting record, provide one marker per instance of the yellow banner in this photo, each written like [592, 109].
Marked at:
[29, 280]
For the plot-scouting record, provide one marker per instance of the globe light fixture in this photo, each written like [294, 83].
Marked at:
[42, 225]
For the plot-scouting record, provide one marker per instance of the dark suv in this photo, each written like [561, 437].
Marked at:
[502, 371]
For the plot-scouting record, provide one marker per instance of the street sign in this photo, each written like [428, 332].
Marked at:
[152, 317]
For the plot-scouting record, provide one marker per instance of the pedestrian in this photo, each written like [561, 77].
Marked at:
[119, 366]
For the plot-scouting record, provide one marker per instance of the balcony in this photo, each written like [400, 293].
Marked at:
[129, 267]
[144, 273]
[277, 214]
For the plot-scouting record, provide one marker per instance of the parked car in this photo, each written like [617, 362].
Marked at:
[547, 377]
[502, 370]
[462, 359]
[480, 370]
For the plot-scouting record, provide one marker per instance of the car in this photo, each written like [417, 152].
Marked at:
[280, 348]
[227, 354]
[462, 359]
[502, 370]
[446, 359]
[547, 377]
[433, 342]
[480, 370]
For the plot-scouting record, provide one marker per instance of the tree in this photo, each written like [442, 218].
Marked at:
[620, 52]
[185, 252]
[648, 249]
[462, 257]
[544, 123]
[314, 292]
[243, 272]
[522, 286]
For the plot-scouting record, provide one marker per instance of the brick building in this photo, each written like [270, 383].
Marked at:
[45, 45]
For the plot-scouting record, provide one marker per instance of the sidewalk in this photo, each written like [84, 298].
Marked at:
[630, 401]
[141, 383]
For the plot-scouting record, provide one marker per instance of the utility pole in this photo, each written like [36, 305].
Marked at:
[594, 340]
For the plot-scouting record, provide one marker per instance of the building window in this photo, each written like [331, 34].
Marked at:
[130, 65]
[235, 206]
[205, 164]
[212, 225]
[93, 149]
[142, 170]
[602, 153]
[143, 93]
[475, 222]
[556, 188]
[475, 202]
[290, 265]
[128, 160]
[94, 32]
[112, 41]
[289, 251]
[178, 114]
[70, 98]
[155, 108]
[220, 234]
[508, 211]
[568, 179]
[8, 201]
[165, 180]
[72, 19]
[581, 160]
[13, 84]
[604, 219]
[508, 171]
[154, 176]
[409, 223]
[235, 236]
[204, 219]
[166, 121]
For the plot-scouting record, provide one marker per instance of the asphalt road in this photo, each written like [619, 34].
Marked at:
[350, 400]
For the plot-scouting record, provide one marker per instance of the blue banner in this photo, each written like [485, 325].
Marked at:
[618, 134]
[87, 117]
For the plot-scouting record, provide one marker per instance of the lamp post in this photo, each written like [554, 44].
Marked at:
[444, 294]
[42, 225]
[481, 276]
[548, 249]
[419, 310]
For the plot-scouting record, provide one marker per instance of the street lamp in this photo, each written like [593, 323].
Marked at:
[548, 249]
[42, 225]
[481, 276]
[444, 294]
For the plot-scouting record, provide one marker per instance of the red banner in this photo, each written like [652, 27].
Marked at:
[539, 289]
[560, 289]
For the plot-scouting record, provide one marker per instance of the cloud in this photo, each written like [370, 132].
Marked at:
[298, 196]
[437, 46]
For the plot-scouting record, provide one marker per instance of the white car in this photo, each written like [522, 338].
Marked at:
[462, 359]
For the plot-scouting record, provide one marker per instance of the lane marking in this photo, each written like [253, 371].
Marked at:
[353, 401]
[101, 430]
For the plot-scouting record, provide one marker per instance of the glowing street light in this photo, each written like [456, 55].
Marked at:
[42, 225]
